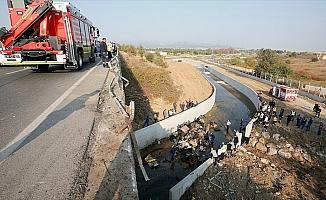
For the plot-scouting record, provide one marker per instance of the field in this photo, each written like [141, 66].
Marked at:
[305, 69]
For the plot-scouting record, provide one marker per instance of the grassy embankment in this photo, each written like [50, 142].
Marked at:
[149, 80]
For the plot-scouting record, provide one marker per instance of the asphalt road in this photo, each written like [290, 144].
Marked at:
[45, 119]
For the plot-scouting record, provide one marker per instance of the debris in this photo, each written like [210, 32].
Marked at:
[265, 161]
[253, 141]
[271, 151]
[307, 157]
[284, 153]
[266, 135]
[276, 137]
[152, 162]
[261, 147]
[262, 140]
[185, 129]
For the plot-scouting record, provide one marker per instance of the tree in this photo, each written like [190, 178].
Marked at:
[250, 62]
[269, 62]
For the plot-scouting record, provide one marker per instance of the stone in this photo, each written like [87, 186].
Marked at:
[241, 148]
[253, 141]
[262, 140]
[284, 153]
[257, 134]
[271, 145]
[266, 135]
[276, 137]
[261, 147]
[307, 157]
[271, 151]
[265, 161]
[298, 156]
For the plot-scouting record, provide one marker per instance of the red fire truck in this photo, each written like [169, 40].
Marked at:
[47, 33]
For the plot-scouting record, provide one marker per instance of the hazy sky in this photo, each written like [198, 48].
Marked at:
[291, 25]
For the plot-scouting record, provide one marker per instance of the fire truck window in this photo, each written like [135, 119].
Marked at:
[86, 34]
[82, 30]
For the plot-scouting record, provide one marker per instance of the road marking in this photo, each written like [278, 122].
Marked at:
[11, 147]
[16, 71]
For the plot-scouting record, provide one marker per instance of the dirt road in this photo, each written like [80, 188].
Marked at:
[300, 103]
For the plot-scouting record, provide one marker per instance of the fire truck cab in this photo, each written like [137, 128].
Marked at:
[45, 33]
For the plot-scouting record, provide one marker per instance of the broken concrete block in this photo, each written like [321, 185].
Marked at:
[241, 148]
[262, 140]
[284, 153]
[276, 137]
[257, 134]
[265, 161]
[298, 156]
[253, 141]
[261, 147]
[266, 135]
[185, 129]
[272, 145]
[271, 151]
[307, 157]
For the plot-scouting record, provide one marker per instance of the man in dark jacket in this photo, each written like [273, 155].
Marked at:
[103, 51]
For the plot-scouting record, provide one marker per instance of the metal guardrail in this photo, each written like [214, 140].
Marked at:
[115, 68]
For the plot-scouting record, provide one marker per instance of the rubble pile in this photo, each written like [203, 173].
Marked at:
[189, 144]
[268, 167]
[275, 145]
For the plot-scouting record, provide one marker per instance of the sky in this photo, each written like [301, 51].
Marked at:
[278, 24]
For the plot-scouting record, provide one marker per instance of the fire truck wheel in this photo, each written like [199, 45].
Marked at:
[80, 61]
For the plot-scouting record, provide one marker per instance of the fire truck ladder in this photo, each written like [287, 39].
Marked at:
[70, 50]
[31, 16]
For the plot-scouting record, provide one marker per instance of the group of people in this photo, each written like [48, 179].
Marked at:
[268, 112]
[107, 51]
[183, 106]
[226, 148]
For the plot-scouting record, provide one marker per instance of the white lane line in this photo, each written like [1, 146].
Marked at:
[11, 147]
[16, 71]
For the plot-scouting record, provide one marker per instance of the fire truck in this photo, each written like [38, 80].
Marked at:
[47, 33]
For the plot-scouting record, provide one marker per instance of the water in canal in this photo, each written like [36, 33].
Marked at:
[229, 104]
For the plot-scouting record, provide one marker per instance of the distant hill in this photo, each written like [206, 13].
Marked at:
[185, 45]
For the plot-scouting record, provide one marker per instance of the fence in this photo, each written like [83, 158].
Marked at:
[317, 93]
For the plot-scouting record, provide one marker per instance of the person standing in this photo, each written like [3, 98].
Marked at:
[214, 155]
[320, 128]
[298, 121]
[103, 51]
[288, 119]
[280, 116]
[228, 124]
[303, 122]
[309, 124]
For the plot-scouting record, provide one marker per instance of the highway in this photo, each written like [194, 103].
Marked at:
[45, 120]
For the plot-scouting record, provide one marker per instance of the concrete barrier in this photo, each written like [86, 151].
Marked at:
[178, 190]
[250, 93]
[162, 129]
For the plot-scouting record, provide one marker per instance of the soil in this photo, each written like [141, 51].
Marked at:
[155, 89]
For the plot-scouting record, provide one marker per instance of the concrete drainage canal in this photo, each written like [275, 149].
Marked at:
[165, 170]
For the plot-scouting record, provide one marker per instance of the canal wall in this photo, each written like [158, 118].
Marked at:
[180, 188]
[162, 129]
[247, 91]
